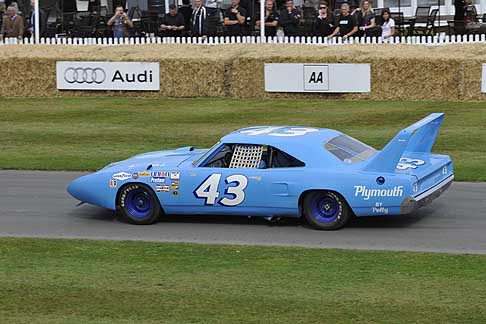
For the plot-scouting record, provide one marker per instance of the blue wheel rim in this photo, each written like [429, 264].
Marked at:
[138, 203]
[325, 209]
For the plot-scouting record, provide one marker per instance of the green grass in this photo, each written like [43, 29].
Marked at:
[82, 133]
[75, 281]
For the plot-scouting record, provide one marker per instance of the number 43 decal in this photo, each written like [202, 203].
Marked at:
[209, 189]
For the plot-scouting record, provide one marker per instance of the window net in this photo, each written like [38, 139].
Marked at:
[246, 156]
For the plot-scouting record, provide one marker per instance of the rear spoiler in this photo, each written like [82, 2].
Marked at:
[419, 137]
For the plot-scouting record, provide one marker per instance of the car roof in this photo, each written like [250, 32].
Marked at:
[303, 142]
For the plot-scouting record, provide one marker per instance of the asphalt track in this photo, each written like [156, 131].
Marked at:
[35, 204]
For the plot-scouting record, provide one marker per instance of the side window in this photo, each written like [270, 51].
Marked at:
[280, 159]
[236, 156]
[251, 156]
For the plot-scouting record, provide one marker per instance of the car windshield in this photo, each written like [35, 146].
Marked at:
[196, 162]
[348, 149]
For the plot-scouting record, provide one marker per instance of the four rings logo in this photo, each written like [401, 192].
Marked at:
[97, 75]
[85, 75]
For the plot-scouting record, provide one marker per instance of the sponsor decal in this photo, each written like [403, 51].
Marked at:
[366, 193]
[415, 187]
[125, 192]
[444, 169]
[121, 176]
[159, 174]
[379, 209]
[135, 175]
[112, 183]
[162, 188]
[76, 75]
[157, 180]
[175, 185]
[144, 174]
[175, 193]
[175, 175]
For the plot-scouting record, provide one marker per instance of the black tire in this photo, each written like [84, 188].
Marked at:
[325, 210]
[138, 204]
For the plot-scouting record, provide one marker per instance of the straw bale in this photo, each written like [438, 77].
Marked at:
[449, 72]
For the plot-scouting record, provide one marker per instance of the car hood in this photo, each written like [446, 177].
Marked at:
[157, 159]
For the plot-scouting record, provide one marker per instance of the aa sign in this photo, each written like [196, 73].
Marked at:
[317, 77]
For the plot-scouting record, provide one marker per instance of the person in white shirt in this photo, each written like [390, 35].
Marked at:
[388, 25]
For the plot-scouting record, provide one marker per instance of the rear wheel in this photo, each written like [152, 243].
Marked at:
[325, 210]
[138, 204]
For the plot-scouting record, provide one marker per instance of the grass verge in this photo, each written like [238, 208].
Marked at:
[88, 133]
[78, 281]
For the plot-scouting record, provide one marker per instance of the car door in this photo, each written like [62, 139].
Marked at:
[237, 189]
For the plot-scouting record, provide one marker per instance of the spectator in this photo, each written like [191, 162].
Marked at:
[271, 19]
[346, 25]
[388, 25]
[12, 24]
[235, 18]
[459, 10]
[470, 13]
[212, 16]
[324, 22]
[120, 22]
[186, 12]
[249, 6]
[198, 19]
[290, 18]
[42, 21]
[310, 4]
[172, 23]
[365, 18]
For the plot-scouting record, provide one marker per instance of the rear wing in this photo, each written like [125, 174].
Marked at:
[419, 137]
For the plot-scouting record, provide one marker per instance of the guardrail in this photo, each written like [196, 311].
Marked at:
[415, 40]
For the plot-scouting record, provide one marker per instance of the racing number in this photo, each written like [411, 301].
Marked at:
[279, 131]
[209, 189]
[407, 163]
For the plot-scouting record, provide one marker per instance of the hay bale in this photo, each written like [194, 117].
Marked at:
[451, 72]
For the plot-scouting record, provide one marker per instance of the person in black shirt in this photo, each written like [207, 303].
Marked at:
[324, 22]
[199, 16]
[172, 23]
[186, 12]
[289, 19]
[459, 10]
[234, 19]
[365, 18]
[271, 19]
[346, 25]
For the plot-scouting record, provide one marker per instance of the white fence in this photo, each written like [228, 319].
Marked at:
[441, 39]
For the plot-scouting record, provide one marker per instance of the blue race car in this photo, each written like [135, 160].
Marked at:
[321, 174]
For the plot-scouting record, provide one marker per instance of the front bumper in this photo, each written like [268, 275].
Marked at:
[410, 203]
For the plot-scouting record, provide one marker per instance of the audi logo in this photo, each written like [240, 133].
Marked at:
[85, 75]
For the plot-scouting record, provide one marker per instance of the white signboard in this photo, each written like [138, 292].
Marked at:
[107, 75]
[310, 77]
[483, 80]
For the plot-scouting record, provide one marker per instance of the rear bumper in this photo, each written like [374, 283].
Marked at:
[412, 203]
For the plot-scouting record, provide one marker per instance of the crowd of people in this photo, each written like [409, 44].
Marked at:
[207, 19]
[237, 20]
[15, 25]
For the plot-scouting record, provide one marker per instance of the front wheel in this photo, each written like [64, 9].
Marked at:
[138, 204]
[325, 210]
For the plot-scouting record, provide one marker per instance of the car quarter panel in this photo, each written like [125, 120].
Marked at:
[366, 193]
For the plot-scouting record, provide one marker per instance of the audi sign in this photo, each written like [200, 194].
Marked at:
[107, 76]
